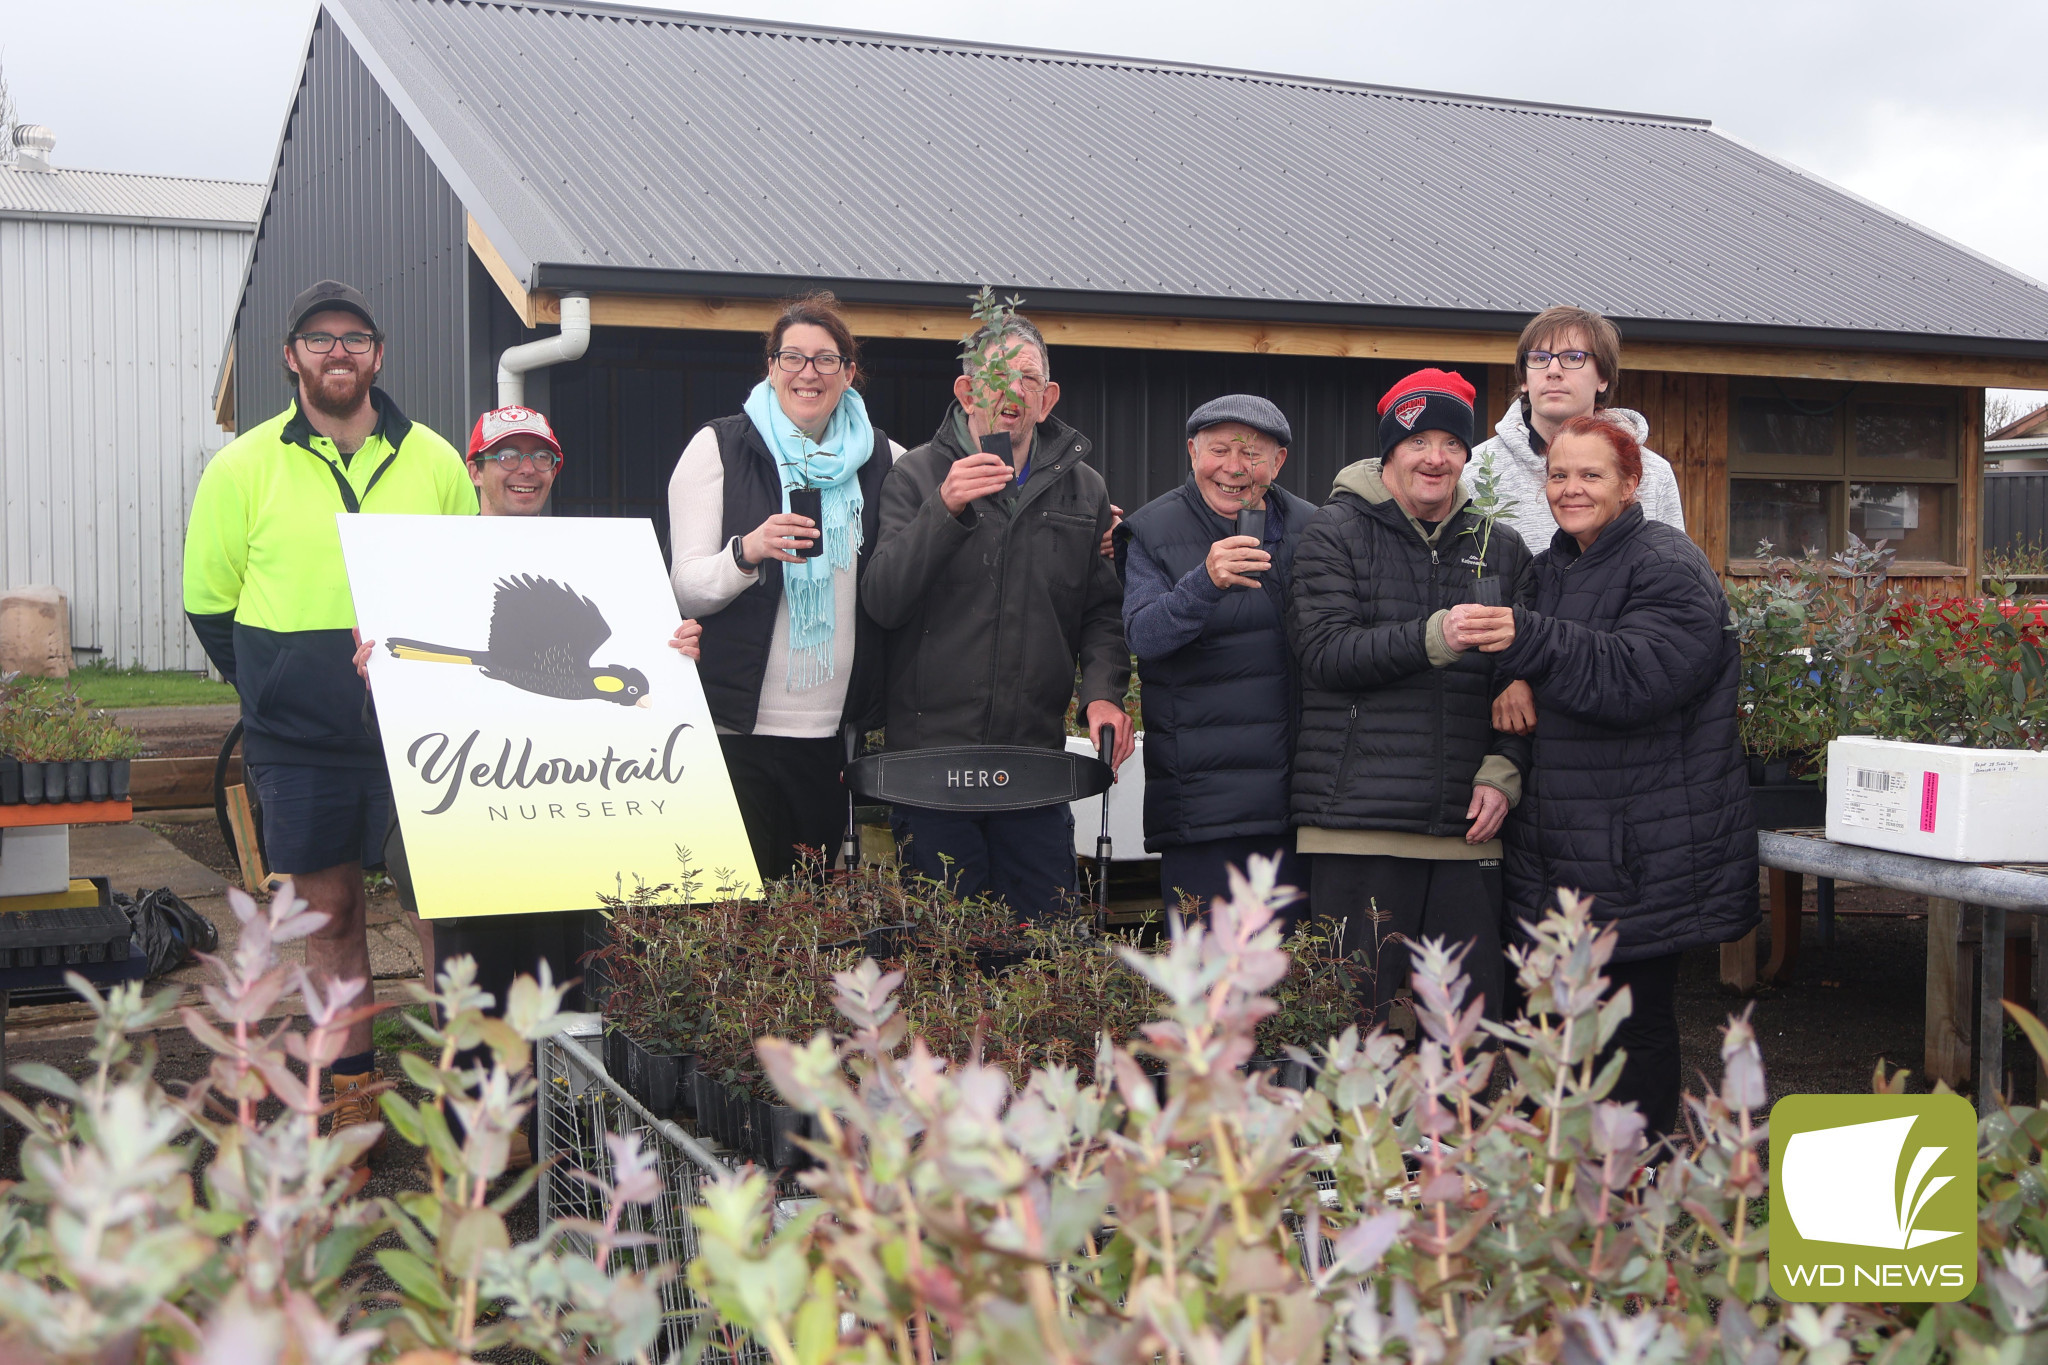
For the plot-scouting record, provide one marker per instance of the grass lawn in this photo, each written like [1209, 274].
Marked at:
[102, 686]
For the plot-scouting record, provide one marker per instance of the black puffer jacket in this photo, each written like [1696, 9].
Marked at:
[1639, 795]
[1389, 740]
[989, 613]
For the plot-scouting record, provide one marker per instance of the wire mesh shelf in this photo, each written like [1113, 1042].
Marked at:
[579, 1104]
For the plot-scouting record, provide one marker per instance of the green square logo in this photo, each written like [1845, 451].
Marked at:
[1873, 1198]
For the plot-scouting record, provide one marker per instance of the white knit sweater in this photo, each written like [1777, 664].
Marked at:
[706, 578]
[1523, 476]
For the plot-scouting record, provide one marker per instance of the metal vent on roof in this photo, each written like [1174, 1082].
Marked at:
[33, 144]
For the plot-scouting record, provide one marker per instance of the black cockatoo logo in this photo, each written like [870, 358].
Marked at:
[542, 637]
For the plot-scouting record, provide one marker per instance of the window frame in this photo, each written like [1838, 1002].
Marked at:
[1842, 468]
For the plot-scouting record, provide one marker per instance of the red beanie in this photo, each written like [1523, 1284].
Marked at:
[1428, 400]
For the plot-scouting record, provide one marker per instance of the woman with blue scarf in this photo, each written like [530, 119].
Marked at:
[789, 659]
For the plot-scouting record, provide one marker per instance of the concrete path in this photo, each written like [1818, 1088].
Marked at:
[133, 856]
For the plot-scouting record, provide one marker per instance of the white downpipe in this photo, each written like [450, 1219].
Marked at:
[568, 344]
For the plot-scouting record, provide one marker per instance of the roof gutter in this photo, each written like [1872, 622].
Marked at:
[568, 344]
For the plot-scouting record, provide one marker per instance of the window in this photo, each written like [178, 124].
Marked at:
[1809, 464]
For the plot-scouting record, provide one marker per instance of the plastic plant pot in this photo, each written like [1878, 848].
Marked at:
[53, 783]
[75, 780]
[98, 780]
[118, 775]
[1486, 592]
[10, 781]
[810, 502]
[31, 780]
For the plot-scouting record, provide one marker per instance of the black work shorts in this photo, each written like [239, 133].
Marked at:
[315, 818]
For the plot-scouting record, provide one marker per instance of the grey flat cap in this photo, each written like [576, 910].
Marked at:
[1248, 408]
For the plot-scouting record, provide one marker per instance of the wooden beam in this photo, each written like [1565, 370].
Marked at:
[224, 393]
[690, 313]
[508, 283]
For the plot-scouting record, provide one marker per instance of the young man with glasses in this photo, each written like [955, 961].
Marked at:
[268, 597]
[1568, 362]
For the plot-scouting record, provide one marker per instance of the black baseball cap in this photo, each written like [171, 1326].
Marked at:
[324, 295]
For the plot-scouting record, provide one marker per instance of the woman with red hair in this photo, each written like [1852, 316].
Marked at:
[1638, 796]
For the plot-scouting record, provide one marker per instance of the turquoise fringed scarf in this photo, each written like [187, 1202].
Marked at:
[833, 464]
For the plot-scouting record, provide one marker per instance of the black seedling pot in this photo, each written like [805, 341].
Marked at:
[1486, 592]
[1777, 772]
[651, 1077]
[74, 780]
[810, 502]
[31, 779]
[998, 443]
[10, 781]
[778, 1135]
[98, 781]
[118, 777]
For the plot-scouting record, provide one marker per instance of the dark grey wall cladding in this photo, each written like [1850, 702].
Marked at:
[2015, 510]
[626, 409]
[356, 198]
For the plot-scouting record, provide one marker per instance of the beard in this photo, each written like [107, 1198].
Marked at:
[335, 395]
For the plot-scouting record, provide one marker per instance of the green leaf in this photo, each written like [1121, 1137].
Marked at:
[415, 1279]
[817, 1321]
[477, 1232]
[48, 1078]
[424, 1073]
[404, 1117]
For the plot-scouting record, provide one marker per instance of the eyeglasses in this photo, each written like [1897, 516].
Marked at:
[825, 362]
[542, 460]
[1570, 360]
[320, 343]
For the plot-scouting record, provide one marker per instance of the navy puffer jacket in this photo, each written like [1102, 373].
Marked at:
[1638, 793]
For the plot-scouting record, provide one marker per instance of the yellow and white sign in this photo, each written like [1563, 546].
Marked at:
[545, 743]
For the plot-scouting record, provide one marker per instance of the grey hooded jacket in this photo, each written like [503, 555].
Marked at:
[1522, 475]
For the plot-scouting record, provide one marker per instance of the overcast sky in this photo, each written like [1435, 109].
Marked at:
[1934, 112]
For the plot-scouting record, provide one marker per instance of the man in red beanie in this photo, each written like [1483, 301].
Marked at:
[1400, 780]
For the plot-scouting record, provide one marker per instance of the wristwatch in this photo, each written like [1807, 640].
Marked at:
[739, 557]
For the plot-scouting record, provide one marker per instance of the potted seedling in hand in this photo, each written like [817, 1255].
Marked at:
[805, 498]
[994, 377]
[1489, 504]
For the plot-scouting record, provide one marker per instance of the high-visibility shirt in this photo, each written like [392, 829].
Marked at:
[265, 587]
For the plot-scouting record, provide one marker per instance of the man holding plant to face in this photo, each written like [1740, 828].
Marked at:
[1400, 780]
[1206, 570]
[989, 580]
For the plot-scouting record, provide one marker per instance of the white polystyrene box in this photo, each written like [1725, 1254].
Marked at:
[1937, 801]
[35, 860]
[1126, 809]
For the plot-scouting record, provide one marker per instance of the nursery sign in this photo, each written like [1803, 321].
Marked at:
[1873, 1198]
[545, 744]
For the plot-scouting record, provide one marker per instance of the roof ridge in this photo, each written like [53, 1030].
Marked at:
[694, 18]
[144, 175]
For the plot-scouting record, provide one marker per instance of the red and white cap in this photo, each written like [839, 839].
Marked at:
[495, 425]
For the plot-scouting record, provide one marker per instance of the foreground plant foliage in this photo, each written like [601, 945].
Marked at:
[1395, 1212]
[112, 1248]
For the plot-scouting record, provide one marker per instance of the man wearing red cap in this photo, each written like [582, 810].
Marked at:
[1400, 780]
[513, 459]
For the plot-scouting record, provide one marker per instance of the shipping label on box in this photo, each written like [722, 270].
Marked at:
[1938, 801]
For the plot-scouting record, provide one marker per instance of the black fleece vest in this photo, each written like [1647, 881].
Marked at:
[737, 639]
[1220, 710]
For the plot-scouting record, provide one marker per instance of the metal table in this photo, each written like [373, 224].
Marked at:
[1985, 893]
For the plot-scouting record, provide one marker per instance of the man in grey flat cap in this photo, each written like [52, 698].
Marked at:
[1205, 611]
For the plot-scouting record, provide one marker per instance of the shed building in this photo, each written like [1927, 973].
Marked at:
[117, 296]
[1811, 363]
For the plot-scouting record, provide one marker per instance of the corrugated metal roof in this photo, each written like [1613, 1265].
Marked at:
[592, 139]
[65, 193]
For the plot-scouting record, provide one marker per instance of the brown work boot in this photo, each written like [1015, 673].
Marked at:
[355, 1101]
